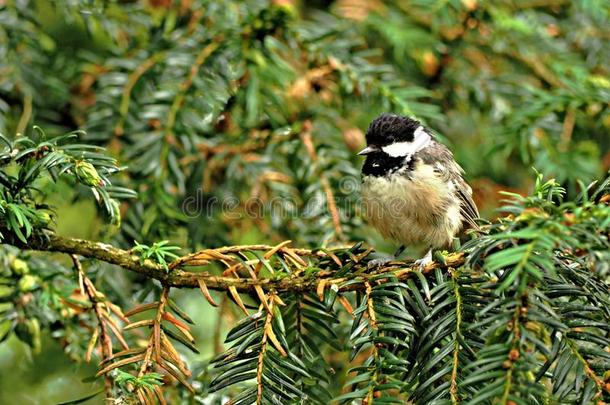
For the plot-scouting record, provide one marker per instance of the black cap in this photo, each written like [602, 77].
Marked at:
[390, 128]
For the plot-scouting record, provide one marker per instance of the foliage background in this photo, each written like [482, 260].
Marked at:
[219, 102]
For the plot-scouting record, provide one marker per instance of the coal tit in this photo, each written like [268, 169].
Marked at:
[412, 188]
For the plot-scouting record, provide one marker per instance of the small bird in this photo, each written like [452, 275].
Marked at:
[413, 190]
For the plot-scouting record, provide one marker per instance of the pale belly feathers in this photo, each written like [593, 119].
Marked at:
[419, 210]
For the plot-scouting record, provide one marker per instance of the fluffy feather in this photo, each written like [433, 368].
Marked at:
[416, 210]
[413, 189]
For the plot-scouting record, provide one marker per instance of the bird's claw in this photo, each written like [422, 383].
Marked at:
[376, 263]
[424, 261]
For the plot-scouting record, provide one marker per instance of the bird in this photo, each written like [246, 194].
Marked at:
[413, 190]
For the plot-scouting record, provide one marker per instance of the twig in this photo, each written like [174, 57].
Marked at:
[568, 129]
[207, 255]
[26, 114]
[186, 85]
[105, 342]
[154, 342]
[599, 382]
[131, 82]
[453, 390]
[370, 308]
[220, 321]
[515, 351]
[307, 140]
[261, 355]
[184, 279]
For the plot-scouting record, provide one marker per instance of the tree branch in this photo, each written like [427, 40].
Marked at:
[176, 277]
[105, 343]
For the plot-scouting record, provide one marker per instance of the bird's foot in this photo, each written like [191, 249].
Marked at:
[424, 261]
[377, 263]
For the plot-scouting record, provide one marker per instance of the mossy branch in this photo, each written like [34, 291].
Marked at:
[359, 274]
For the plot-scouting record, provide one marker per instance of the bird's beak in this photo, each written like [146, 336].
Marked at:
[367, 150]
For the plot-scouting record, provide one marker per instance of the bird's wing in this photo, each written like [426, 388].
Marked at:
[468, 208]
[441, 158]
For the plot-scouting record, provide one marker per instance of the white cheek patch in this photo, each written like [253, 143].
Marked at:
[398, 149]
[421, 139]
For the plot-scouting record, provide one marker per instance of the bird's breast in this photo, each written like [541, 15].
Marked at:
[414, 208]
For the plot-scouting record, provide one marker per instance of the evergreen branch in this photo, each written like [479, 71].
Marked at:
[383, 327]
[515, 351]
[600, 385]
[355, 280]
[186, 85]
[267, 329]
[453, 390]
[159, 351]
[307, 140]
[537, 67]
[260, 352]
[312, 328]
[105, 342]
[145, 66]
[370, 309]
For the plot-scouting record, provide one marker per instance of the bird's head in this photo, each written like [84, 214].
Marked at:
[392, 140]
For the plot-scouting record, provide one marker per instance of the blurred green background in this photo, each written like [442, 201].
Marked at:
[219, 108]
